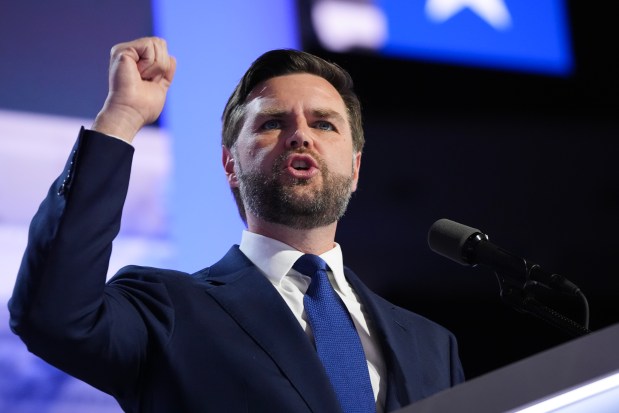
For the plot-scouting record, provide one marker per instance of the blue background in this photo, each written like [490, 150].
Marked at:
[538, 39]
[528, 157]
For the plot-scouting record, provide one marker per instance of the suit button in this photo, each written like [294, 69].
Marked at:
[62, 188]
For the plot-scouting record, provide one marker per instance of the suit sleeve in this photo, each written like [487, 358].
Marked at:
[456, 371]
[61, 307]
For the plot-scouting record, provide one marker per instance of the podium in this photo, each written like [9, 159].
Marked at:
[581, 375]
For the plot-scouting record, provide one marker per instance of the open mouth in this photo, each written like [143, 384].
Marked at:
[301, 166]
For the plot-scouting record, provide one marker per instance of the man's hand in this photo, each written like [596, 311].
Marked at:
[140, 74]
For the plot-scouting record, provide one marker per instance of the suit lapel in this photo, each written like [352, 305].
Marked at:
[399, 352]
[250, 299]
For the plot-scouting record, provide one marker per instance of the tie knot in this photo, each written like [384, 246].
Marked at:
[308, 264]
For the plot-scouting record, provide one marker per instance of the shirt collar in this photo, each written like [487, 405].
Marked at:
[275, 258]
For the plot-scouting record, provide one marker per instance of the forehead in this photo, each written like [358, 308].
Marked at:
[293, 89]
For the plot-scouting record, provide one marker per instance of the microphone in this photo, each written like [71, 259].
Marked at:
[469, 246]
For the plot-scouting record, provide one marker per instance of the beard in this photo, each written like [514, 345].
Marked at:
[265, 196]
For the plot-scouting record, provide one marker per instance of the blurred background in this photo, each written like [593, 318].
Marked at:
[499, 114]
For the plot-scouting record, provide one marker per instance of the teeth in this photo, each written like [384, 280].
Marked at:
[300, 164]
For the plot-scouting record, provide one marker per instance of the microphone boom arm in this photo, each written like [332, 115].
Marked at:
[517, 277]
[523, 300]
[521, 297]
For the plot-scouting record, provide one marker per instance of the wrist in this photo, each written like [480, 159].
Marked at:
[122, 123]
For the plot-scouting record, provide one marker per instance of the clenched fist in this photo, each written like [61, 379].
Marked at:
[141, 72]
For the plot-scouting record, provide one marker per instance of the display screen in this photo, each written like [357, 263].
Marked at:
[529, 36]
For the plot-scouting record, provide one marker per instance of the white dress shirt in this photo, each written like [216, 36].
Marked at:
[275, 259]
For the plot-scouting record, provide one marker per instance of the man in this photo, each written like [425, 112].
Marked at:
[240, 335]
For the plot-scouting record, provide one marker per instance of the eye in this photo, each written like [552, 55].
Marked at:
[324, 125]
[272, 124]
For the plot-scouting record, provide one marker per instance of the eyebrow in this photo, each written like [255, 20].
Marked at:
[328, 114]
[319, 113]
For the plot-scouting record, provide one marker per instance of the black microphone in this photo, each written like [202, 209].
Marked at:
[469, 246]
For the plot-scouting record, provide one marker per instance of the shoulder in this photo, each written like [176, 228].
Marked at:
[411, 320]
[405, 318]
[136, 277]
[231, 265]
[139, 272]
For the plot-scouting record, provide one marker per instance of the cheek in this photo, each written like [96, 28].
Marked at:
[246, 150]
[257, 145]
[343, 164]
[256, 159]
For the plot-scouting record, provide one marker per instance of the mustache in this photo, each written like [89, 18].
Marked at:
[280, 161]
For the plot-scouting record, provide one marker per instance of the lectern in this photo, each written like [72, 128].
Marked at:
[581, 375]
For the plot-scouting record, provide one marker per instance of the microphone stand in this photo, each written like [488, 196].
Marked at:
[519, 280]
[522, 297]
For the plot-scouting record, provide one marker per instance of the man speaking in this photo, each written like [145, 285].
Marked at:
[279, 324]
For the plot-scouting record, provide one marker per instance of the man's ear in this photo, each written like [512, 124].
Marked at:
[228, 162]
[356, 164]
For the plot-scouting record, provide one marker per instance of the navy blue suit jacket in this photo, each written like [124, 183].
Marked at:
[219, 340]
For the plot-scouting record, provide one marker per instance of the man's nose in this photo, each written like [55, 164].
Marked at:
[300, 138]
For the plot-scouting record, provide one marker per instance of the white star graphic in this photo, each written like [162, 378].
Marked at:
[494, 12]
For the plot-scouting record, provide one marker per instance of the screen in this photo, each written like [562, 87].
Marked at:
[513, 35]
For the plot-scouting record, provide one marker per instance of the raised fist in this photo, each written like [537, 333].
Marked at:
[141, 72]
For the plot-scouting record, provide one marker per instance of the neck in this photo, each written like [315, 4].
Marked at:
[309, 241]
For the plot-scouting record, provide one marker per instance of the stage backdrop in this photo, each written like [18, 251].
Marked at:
[500, 114]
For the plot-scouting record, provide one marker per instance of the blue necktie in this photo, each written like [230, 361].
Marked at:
[337, 342]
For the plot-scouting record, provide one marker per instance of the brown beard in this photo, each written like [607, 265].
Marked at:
[269, 199]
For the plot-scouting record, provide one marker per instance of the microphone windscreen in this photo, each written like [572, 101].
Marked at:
[447, 238]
